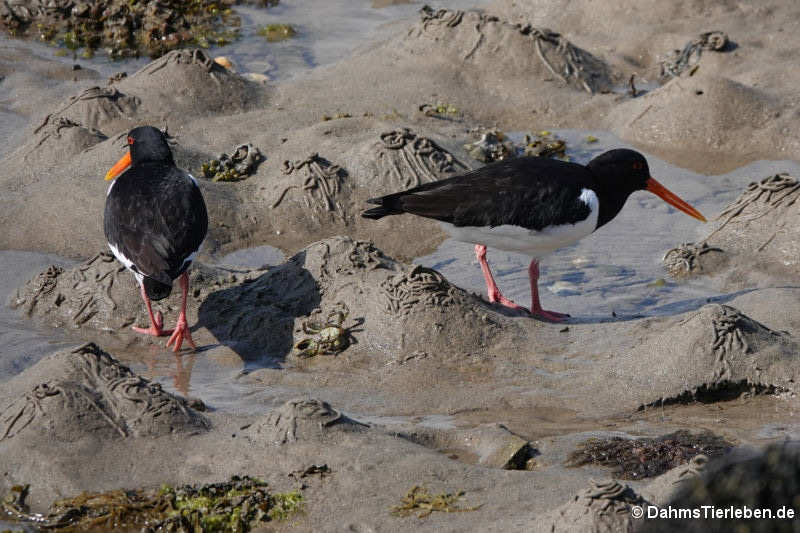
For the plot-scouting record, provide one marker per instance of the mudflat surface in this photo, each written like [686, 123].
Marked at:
[369, 346]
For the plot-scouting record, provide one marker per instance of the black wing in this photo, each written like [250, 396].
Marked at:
[530, 192]
[156, 217]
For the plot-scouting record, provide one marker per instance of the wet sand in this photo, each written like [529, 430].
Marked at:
[432, 389]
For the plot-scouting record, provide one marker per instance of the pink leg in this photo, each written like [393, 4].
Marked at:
[156, 322]
[536, 306]
[181, 331]
[491, 286]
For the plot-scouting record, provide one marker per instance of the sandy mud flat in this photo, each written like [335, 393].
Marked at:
[351, 372]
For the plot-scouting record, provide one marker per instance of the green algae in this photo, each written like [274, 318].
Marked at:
[236, 166]
[237, 505]
[126, 28]
[419, 500]
[277, 32]
[439, 109]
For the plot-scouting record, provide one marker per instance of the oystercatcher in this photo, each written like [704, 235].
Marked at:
[530, 205]
[155, 220]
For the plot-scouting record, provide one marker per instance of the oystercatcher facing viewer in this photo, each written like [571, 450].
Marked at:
[530, 205]
[155, 221]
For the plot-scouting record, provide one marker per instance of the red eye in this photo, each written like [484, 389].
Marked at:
[638, 165]
[130, 140]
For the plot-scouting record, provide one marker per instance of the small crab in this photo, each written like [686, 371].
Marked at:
[332, 337]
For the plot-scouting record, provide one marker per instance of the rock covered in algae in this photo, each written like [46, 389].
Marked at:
[84, 392]
[603, 506]
[124, 28]
[301, 419]
[713, 353]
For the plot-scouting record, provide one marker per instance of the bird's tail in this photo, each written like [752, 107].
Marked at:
[379, 212]
[156, 290]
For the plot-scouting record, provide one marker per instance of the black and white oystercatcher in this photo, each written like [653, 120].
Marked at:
[155, 220]
[530, 205]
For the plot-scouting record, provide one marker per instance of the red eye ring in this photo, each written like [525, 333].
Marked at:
[130, 140]
[638, 165]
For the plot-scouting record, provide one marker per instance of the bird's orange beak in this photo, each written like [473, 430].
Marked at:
[119, 167]
[672, 199]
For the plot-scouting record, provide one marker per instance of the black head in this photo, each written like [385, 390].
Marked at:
[622, 170]
[149, 144]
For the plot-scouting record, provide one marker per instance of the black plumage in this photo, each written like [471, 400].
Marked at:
[155, 221]
[156, 217]
[529, 192]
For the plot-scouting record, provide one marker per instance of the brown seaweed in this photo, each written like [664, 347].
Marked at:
[647, 457]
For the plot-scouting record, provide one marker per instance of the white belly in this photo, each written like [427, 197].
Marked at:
[532, 243]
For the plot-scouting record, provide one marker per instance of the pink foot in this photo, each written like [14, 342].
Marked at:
[181, 333]
[155, 329]
[552, 316]
[497, 297]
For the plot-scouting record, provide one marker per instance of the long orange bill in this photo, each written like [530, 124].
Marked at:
[119, 167]
[672, 199]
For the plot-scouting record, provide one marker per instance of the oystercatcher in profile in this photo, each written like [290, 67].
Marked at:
[530, 205]
[155, 220]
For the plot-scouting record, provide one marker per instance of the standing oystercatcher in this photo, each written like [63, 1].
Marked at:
[530, 205]
[155, 220]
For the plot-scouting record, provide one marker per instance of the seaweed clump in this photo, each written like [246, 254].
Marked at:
[237, 505]
[277, 32]
[124, 28]
[419, 499]
[647, 457]
[494, 145]
[234, 167]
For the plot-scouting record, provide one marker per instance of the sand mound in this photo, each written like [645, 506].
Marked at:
[101, 294]
[755, 234]
[85, 392]
[180, 85]
[59, 138]
[301, 419]
[315, 184]
[701, 112]
[494, 50]
[377, 305]
[100, 108]
[713, 353]
[602, 506]
[187, 84]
